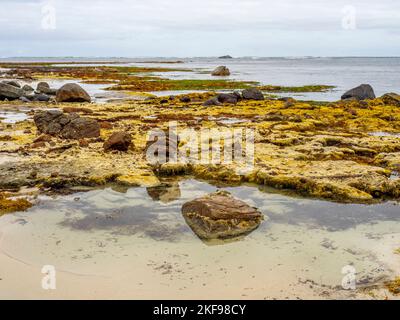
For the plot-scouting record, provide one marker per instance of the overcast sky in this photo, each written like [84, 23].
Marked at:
[184, 28]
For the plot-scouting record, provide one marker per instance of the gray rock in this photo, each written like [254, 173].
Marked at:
[10, 92]
[232, 98]
[44, 87]
[27, 88]
[362, 92]
[221, 71]
[212, 102]
[252, 94]
[225, 57]
[24, 99]
[41, 97]
[13, 83]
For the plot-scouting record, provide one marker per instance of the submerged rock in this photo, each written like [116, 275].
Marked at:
[362, 92]
[252, 94]
[72, 92]
[120, 141]
[391, 99]
[166, 192]
[219, 215]
[221, 71]
[67, 126]
[10, 92]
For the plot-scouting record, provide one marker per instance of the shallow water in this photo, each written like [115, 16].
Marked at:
[134, 243]
[12, 117]
[344, 73]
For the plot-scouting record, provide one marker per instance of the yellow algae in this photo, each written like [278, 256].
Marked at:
[13, 205]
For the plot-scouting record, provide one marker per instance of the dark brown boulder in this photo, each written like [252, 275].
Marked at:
[221, 71]
[77, 110]
[231, 98]
[392, 99]
[362, 92]
[72, 92]
[120, 141]
[66, 126]
[252, 94]
[219, 215]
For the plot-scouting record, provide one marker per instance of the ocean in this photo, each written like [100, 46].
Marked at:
[343, 73]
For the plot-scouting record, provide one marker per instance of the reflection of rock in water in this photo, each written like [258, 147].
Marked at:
[166, 192]
[219, 215]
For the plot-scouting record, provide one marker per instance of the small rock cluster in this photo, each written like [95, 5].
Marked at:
[71, 92]
[235, 97]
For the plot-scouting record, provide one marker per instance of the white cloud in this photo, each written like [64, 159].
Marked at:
[195, 28]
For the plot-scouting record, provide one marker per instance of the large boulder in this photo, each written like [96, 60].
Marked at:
[226, 57]
[10, 92]
[72, 92]
[219, 215]
[13, 83]
[221, 71]
[232, 98]
[120, 141]
[252, 94]
[66, 126]
[391, 99]
[362, 92]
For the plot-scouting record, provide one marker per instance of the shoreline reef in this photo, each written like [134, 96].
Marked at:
[346, 151]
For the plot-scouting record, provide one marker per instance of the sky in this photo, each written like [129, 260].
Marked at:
[193, 28]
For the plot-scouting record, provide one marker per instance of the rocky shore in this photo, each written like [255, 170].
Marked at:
[347, 151]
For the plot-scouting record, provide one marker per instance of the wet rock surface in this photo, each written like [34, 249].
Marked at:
[72, 92]
[362, 92]
[10, 92]
[219, 215]
[221, 71]
[120, 141]
[252, 94]
[67, 126]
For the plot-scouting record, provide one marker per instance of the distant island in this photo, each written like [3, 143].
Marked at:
[226, 57]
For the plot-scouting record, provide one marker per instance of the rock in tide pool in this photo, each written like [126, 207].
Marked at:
[219, 215]
[362, 92]
[221, 71]
[67, 126]
[72, 92]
